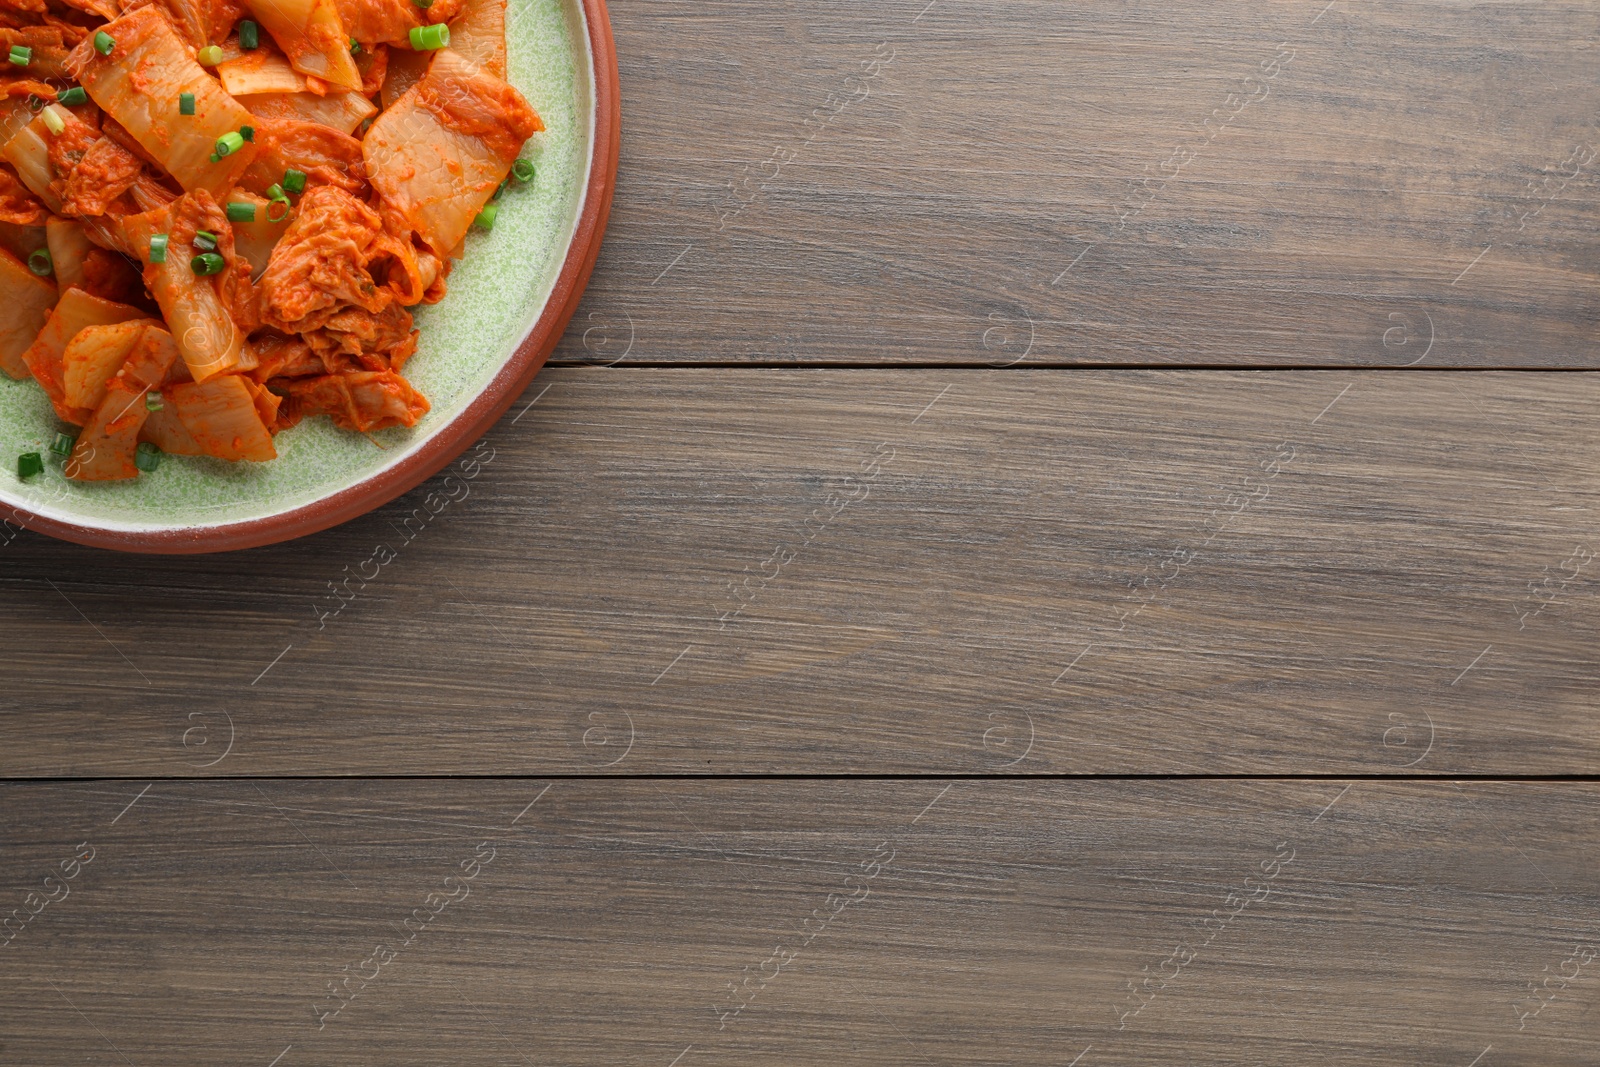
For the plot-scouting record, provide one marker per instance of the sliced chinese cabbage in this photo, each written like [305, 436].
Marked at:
[105, 448]
[222, 417]
[81, 262]
[167, 432]
[21, 241]
[69, 248]
[14, 113]
[141, 83]
[312, 36]
[105, 9]
[200, 22]
[102, 173]
[47, 52]
[94, 356]
[479, 33]
[75, 311]
[339, 111]
[267, 402]
[405, 69]
[254, 240]
[207, 338]
[29, 152]
[391, 21]
[439, 153]
[23, 312]
[18, 205]
[324, 155]
[262, 70]
[359, 400]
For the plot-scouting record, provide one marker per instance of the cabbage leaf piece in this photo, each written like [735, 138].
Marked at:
[440, 152]
[141, 84]
[23, 312]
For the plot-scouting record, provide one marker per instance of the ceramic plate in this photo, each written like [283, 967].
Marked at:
[509, 300]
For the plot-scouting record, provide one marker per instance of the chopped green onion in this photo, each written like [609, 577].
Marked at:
[275, 192]
[21, 55]
[29, 464]
[249, 34]
[229, 143]
[207, 263]
[522, 170]
[35, 103]
[294, 181]
[485, 217]
[153, 401]
[62, 445]
[240, 212]
[355, 47]
[209, 56]
[53, 122]
[283, 206]
[104, 43]
[147, 457]
[41, 263]
[424, 4]
[430, 38]
[247, 132]
[205, 240]
[72, 97]
[499, 189]
[186, 103]
[158, 248]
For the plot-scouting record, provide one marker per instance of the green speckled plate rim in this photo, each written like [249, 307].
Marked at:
[447, 442]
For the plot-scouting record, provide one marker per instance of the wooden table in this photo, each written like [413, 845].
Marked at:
[1062, 533]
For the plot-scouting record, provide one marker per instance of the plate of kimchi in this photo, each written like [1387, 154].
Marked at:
[268, 264]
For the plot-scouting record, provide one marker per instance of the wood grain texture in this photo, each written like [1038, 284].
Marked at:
[1285, 183]
[970, 565]
[988, 923]
[869, 571]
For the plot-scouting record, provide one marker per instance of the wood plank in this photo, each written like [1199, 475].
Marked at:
[742, 571]
[1289, 184]
[986, 923]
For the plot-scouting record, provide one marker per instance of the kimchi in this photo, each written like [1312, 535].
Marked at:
[217, 216]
